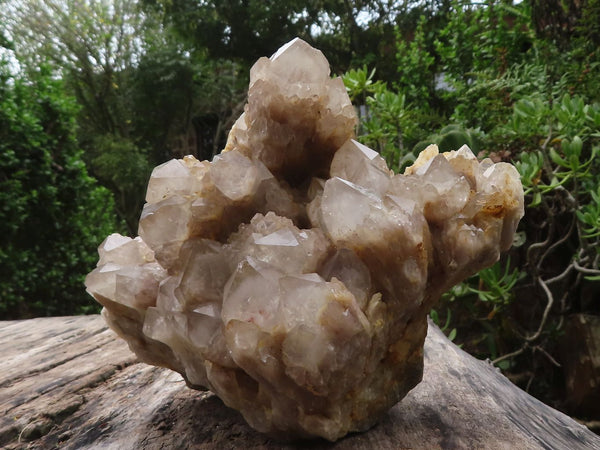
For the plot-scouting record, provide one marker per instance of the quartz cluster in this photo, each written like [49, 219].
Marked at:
[292, 275]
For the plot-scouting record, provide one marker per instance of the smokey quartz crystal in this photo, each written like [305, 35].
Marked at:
[292, 275]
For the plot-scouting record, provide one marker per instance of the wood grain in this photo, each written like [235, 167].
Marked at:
[70, 383]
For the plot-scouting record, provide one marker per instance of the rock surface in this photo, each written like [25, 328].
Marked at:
[70, 383]
[293, 274]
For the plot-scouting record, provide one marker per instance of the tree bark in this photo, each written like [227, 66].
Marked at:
[69, 382]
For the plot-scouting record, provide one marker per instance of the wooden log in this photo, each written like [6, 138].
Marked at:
[69, 382]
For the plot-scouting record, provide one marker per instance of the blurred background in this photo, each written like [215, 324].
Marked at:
[94, 94]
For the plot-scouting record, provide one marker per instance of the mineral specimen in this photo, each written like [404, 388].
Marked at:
[292, 275]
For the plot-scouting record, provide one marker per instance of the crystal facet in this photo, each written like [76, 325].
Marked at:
[293, 274]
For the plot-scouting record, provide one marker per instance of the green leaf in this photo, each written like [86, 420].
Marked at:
[452, 334]
[557, 159]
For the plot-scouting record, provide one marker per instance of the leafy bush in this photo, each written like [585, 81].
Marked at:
[124, 168]
[388, 123]
[53, 214]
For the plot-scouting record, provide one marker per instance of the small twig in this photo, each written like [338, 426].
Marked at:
[548, 138]
[561, 275]
[546, 311]
[537, 245]
[585, 269]
[537, 334]
[518, 378]
[556, 244]
[546, 166]
[547, 355]
[545, 242]
[510, 355]
[563, 301]
[529, 383]
[570, 199]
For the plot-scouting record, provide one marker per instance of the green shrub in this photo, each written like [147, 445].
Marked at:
[53, 215]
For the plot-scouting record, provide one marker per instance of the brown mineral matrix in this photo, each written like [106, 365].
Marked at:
[292, 275]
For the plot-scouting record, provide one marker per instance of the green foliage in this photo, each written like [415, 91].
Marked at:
[359, 84]
[476, 38]
[558, 128]
[124, 168]
[415, 65]
[386, 121]
[588, 26]
[388, 126]
[53, 213]
[589, 216]
[236, 29]
[496, 283]
[162, 94]
[444, 326]
[452, 137]
[350, 33]
[94, 46]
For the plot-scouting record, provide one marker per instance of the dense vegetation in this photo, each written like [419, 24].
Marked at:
[53, 213]
[108, 89]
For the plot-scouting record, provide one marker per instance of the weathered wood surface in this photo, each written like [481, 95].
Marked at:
[71, 383]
